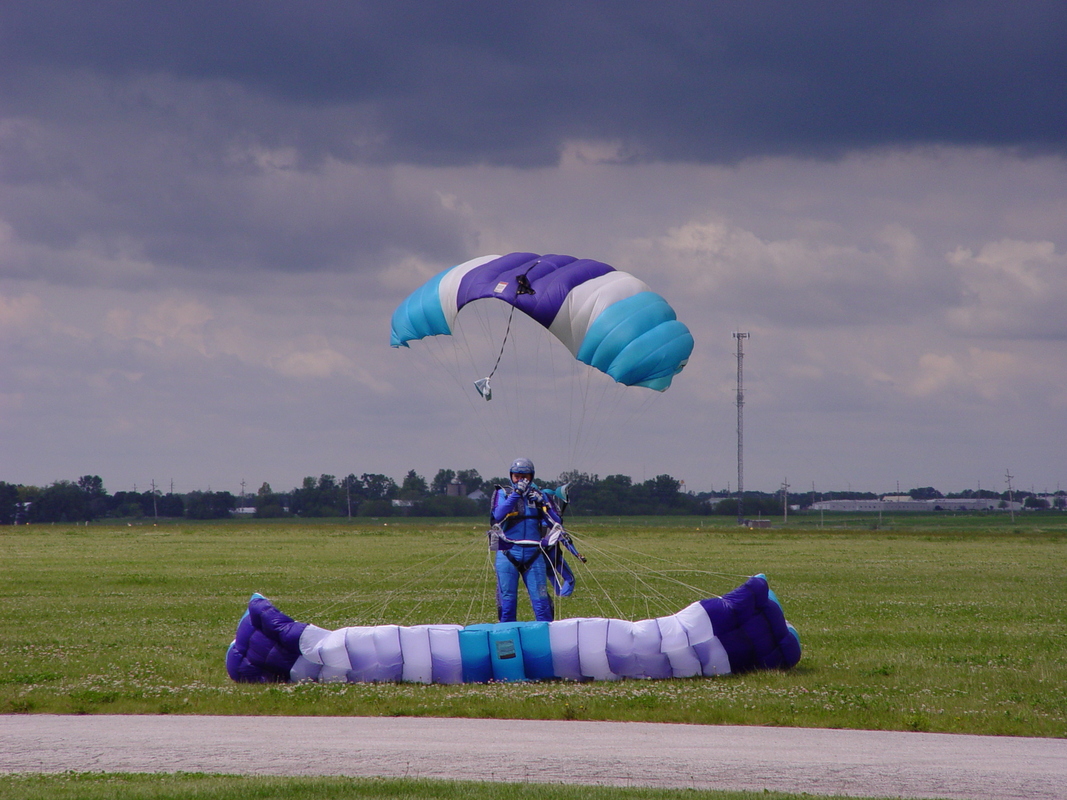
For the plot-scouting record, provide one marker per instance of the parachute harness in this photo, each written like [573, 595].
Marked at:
[524, 287]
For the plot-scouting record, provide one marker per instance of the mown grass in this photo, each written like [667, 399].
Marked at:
[95, 786]
[952, 624]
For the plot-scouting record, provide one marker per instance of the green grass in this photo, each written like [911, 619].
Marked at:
[95, 786]
[952, 624]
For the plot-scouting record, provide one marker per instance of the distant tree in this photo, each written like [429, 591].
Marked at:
[378, 487]
[9, 503]
[413, 487]
[443, 506]
[171, 505]
[469, 478]
[376, 508]
[63, 501]
[664, 491]
[925, 493]
[441, 481]
[209, 505]
[321, 498]
[268, 504]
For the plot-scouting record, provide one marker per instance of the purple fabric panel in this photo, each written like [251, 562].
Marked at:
[266, 645]
[551, 276]
[752, 628]
[276, 625]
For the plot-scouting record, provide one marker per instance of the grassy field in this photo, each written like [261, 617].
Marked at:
[91, 786]
[953, 624]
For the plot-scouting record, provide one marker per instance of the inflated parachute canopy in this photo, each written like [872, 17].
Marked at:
[744, 630]
[607, 318]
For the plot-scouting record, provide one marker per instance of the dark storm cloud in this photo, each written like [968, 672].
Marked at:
[464, 82]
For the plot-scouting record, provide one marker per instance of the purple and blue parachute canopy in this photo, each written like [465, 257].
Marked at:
[744, 630]
[608, 319]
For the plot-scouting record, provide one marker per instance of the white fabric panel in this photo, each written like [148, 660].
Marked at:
[304, 670]
[445, 654]
[684, 662]
[359, 641]
[592, 649]
[415, 645]
[585, 302]
[620, 649]
[647, 642]
[390, 654]
[310, 639]
[714, 660]
[563, 639]
[450, 285]
[334, 657]
[696, 622]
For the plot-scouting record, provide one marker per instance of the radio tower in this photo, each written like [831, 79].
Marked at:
[740, 427]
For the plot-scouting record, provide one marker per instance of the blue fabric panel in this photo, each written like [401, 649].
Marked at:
[505, 652]
[420, 315]
[474, 649]
[638, 342]
[536, 650]
[654, 358]
[551, 276]
[621, 323]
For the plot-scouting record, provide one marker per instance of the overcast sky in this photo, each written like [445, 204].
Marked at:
[209, 210]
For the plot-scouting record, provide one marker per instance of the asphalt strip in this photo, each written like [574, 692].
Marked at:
[817, 761]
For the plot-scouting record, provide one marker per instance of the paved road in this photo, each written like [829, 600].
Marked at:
[859, 763]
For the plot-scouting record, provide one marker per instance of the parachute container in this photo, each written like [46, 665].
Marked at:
[744, 630]
[607, 318]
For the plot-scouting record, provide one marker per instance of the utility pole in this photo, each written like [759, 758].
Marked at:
[740, 427]
[785, 501]
[1011, 497]
[155, 507]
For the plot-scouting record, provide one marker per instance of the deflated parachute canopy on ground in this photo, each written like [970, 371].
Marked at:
[744, 630]
[607, 318]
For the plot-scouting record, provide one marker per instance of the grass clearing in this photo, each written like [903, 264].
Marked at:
[95, 786]
[930, 623]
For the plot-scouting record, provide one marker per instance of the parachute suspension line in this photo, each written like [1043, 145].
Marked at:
[488, 579]
[373, 611]
[470, 573]
[443, 581]
[482, 384]
[653, 599]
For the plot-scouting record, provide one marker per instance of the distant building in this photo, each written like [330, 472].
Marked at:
[896, 503]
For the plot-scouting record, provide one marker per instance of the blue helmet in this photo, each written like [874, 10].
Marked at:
[522, 466]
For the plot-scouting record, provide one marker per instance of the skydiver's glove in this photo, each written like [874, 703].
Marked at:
[555, 534]
[535, 495]
[522, 486]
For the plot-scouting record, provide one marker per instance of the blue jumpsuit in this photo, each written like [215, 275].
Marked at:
[521, 517]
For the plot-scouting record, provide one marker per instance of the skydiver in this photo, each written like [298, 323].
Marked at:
[518, 514]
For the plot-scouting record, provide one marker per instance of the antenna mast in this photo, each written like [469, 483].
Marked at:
[740, 427]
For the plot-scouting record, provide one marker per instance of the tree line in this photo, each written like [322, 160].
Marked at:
[451, 493]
